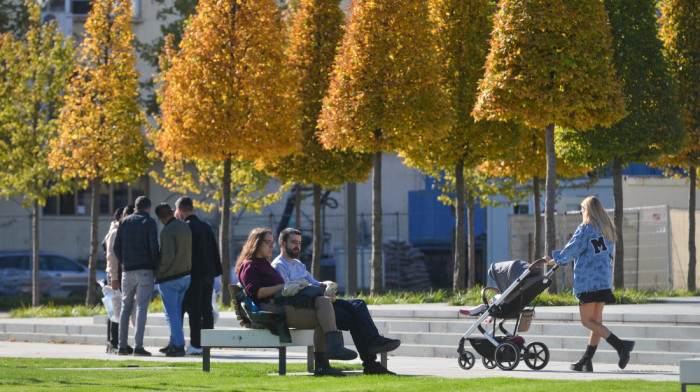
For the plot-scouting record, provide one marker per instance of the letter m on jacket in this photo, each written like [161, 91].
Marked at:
[599, 244]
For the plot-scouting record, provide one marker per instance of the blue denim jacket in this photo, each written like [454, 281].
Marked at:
[592, 255]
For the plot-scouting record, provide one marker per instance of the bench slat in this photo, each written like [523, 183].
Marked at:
[254, 338]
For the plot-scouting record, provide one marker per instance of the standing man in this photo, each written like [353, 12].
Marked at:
[136, 248]
[173, 274]
[206, 266]
[351, 314]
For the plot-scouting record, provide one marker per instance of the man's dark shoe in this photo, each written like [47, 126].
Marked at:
[123, 351]
[140, 352]
[129, 349]
[380, 344]
[624, 353]
[164, 349]
[175, 351]
[376, 368]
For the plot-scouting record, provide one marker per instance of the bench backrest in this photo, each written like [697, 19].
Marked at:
[248, 315]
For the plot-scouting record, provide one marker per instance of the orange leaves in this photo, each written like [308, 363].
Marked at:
[100, 134]
[384, 91]
[560, 74]
[225, 92]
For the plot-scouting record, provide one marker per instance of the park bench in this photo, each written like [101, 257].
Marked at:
[689, 372]
[255, 335]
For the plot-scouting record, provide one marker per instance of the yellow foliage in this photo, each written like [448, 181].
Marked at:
[100, 134]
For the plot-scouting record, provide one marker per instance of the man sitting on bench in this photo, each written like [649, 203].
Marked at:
[350, 314]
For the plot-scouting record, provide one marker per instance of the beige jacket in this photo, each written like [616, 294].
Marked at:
[112, 262]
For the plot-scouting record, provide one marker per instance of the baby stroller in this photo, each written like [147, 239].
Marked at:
[516, 289]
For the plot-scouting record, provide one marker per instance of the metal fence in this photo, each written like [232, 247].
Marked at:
[646, 232]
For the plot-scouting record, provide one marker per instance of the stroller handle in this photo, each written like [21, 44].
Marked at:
[541, 261]
[537, 263]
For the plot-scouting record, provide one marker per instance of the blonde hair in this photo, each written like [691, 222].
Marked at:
[595, 213]
[255, 238]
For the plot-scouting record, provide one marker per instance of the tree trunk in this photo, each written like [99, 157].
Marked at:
[691, 229]
[35, 255]
[619, 273]
[460, 232]
[318, 235]
[550, 185]
[538, 218]
[94, 229]
[225, 232]
[377, 284]
[297, 207]
[351, 241]
[471, 250]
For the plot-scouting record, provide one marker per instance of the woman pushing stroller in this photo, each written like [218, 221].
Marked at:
[591, 250]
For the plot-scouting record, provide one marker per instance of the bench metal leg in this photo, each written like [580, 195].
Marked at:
[282, 360]
[383, 358]
[206, 357]
[310, 359]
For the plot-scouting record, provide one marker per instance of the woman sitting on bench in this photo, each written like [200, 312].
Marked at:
[262, 283]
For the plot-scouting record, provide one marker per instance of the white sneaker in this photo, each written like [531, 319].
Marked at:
[190, 350]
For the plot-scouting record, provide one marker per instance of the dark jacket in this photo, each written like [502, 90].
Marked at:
[206, 261]
[175, 251]
[136, 244]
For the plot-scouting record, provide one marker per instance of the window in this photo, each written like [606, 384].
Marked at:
[83, 7]
[63, 264]
[7, 262]
[521, 209]
[111, 197]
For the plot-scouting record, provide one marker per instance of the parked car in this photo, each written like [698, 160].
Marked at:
[59, 276]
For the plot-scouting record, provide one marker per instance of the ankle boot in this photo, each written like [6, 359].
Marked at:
[585, 364]
[623, 348]
[323, 368]
[335, 347]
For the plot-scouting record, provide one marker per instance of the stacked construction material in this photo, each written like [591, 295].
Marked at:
[404, 266]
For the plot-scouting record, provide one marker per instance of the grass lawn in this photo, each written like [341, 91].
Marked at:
[22, 374]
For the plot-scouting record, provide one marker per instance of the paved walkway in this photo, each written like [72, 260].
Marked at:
[407, 366]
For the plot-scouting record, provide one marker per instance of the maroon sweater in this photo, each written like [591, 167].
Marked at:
[257, 273]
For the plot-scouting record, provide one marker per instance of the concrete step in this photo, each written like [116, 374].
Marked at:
[434, 331]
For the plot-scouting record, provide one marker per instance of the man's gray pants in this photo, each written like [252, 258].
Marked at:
[140, 283]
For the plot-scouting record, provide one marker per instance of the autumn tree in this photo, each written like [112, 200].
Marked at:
[384, 93]
[652, 126]
[461, 29]
[550, 64]
[34, 71]
[680, 32]
[100, 138]
[225, 95]
[525, 161]
[316, 30]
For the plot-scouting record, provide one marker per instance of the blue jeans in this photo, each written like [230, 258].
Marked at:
[352, 315]
[171, 293]
[137, 283]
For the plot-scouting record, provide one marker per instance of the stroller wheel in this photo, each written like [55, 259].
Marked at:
[536, 355]
[507, 355]
[489, 363]
[466, 360]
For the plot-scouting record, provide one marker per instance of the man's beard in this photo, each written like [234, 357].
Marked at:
[292, 252]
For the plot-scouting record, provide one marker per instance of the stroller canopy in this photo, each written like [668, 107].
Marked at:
[505, 273]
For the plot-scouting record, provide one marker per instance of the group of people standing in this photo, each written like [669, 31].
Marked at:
[184, 265]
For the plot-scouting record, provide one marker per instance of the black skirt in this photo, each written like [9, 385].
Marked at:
[606, 296]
